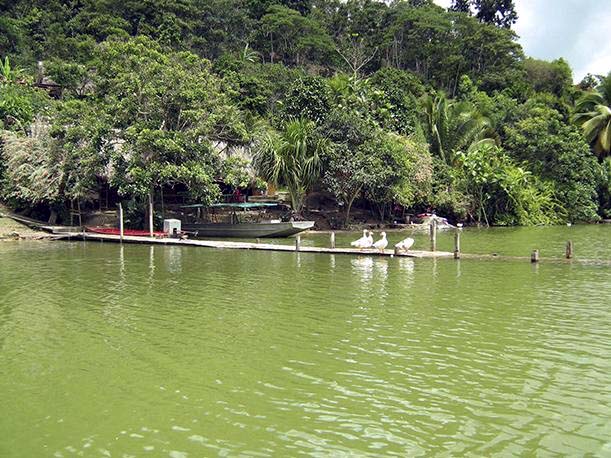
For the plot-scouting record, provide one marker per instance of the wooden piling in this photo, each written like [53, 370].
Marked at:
[433, 234]
[151, 214]
[121, 230]
[333, 240]
[569, 249]
[534, 257]
[298, 243]
[457, 244]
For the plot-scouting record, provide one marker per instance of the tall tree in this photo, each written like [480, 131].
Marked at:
[540, 138]
[461, 6]
[292, 38]
[164, 110]
[554, 77]
[498, 12]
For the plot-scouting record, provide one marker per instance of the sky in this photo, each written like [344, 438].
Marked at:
[577, 30]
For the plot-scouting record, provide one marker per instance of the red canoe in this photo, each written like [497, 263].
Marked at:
[115, 231]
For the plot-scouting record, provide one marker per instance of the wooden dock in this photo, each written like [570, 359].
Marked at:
[297, 247]
[73, 233]
[223, 244]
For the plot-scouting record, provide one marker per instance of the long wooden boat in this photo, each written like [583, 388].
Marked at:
[116, 231]
[249, 230]
[235, 225]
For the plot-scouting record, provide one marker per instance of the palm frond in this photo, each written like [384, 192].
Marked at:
[589, 101]
[604, 137]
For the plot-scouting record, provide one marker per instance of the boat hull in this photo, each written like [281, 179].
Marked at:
[246, 231]
[131, 232]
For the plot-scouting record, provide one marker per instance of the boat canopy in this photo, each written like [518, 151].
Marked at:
[244, 205]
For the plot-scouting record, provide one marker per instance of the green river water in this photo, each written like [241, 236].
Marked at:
[109, 350]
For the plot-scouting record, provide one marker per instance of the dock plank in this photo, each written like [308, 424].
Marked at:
[224, 244]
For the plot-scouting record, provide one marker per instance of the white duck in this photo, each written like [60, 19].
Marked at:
[369, 239]
[362, 242]
[382, 243]
[404, 245]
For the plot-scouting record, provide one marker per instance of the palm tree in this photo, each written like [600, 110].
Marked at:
[452, 126]
[593, 114]
[292, 158]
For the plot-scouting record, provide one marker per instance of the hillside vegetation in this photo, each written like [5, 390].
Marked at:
[387, 106]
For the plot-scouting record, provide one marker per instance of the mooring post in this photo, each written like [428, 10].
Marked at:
[333, 240]
[433, 234]
[457, 244]
[121, 222]
[298, 243]
[151, 214]
[569, 249]
[534, 257]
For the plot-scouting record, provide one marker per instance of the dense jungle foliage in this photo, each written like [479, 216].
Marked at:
[382, 105]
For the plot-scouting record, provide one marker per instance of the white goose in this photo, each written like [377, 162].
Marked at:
[362, 242]
[404, 245]
[382, 243]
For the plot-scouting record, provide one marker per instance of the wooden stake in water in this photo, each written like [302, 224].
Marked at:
[333, 240]
[151, 214]
[433, 234]
[121, 231]
[457, 244]
[298, 243]
[534, 257]
[569, 249]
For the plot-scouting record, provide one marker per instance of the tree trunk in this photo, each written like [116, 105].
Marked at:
[296, 201]
[162, 206]
[347, 219]
[80, 215]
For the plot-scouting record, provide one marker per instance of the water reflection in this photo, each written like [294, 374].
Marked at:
[371, 274]
[406, 267]
[434, 271]
[172, 256]
[122, 262]
[381, 277]
[151, 264]
[332, 262]
[362, 267]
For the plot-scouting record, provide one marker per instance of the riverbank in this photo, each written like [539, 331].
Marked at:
[11, 230]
